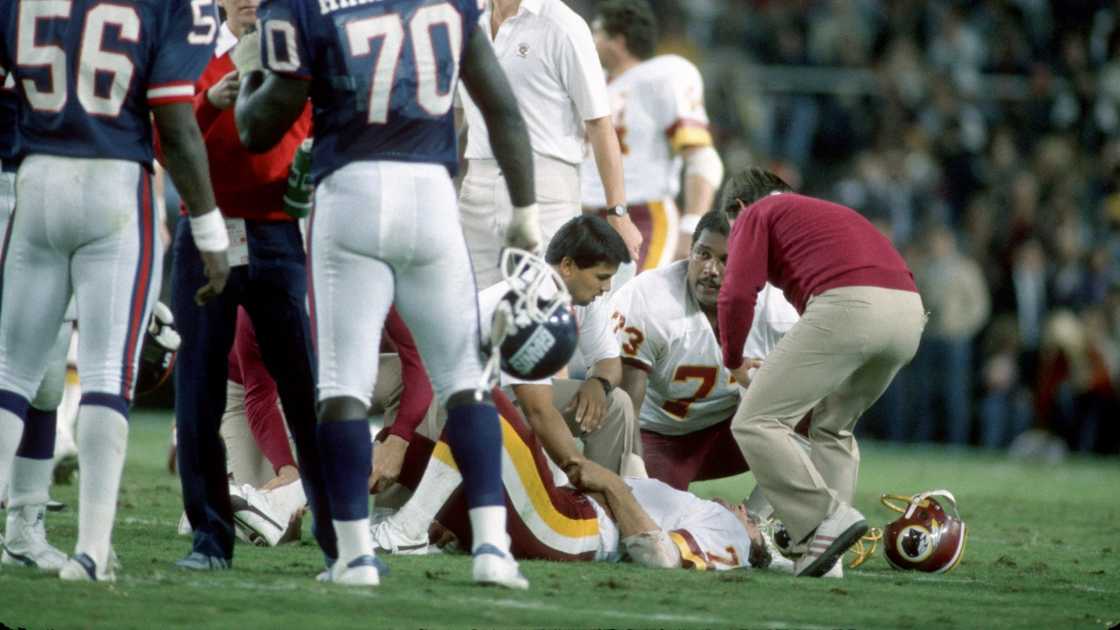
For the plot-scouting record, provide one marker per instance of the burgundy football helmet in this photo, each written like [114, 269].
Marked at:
[927, 537]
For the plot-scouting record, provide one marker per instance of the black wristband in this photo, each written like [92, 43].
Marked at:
[607, 387]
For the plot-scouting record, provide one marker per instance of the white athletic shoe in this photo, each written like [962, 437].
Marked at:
[26, 541]
[361, 571]
[492, 566]
[388, 537]
[82, 568]
[184, 526]
[257, 518]
[833, 536]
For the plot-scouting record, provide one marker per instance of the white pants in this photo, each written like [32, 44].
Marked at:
[387, 233]
[87, 227]
[487, 209]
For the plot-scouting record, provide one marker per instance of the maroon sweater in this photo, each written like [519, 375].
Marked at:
[246, 367]
[803, 246]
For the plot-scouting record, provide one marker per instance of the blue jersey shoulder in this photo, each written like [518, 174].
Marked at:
[383, 74]
[133, 55]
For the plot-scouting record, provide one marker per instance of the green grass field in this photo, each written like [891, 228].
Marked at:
[1043, 552]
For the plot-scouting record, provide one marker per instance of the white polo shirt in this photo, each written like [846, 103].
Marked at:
[596, 335]
[549, 56]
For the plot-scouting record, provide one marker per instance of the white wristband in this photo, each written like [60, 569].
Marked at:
[526, 213]
[688, 223]
[209, 232]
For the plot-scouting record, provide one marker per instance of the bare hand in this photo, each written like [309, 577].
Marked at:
[590, 477]
[629, 233]
[286, 475]
[223, 94]
[388, 457]
[590, 405]
[216, 266]
[741, 374]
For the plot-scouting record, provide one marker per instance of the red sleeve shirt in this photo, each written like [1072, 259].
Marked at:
[266, 423]
[803, 246]
[246, 185]
[417, 394]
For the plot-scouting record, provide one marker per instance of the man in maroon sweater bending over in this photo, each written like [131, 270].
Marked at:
[861, 320]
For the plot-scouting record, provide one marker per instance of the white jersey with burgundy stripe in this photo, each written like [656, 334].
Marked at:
[708, 536]
[662, 330]
[657, 108]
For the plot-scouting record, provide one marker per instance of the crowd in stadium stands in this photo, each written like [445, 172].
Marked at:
[982, 136]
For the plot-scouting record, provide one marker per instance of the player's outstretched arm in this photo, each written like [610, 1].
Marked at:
[184, 155]
[645, 542]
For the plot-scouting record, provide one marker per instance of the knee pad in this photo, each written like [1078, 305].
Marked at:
[468, 397]
[341, 408]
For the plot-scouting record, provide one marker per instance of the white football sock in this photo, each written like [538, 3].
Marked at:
[488, 526]
[31, 482]
[102, 440]
[354, 539]
[436, 485]
[11, 432]
[288, 498]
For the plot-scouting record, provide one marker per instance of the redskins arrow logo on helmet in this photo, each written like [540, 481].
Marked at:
[533, 329]
[927, 537]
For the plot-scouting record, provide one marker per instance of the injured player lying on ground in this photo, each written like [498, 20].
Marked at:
[584, 514]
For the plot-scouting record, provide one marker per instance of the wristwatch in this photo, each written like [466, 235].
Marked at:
[617, 211]
[607, 387]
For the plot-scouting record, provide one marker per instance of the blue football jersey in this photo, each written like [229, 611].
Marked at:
[88, 72]
[382, 72]
[9, 139]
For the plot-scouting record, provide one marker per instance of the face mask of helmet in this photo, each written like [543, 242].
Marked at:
[929, 536]
[533, 329]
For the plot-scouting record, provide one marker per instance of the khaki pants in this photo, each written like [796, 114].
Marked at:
[244, 458]
[837, 361]
[617, 443]
[486, 210]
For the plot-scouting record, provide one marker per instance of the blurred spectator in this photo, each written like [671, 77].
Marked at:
[955, 294]
[1005, 403]
[1075, 392]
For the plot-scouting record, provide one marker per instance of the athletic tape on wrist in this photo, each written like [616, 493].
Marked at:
[526, 213]
[209, 232]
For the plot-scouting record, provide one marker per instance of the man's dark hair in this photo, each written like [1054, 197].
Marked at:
[749, 186]
[634, 20]
[714, 221]
[588, 240]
